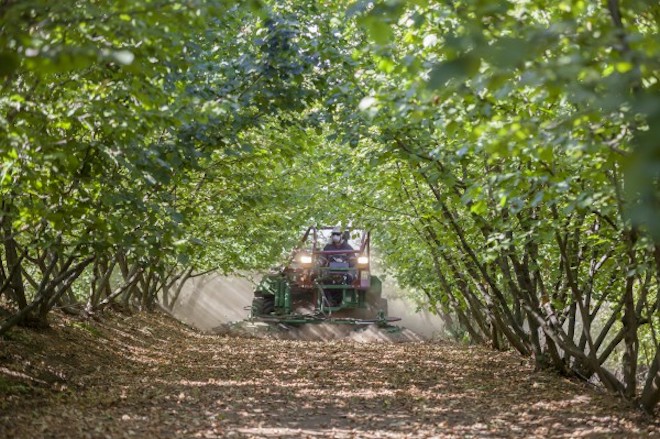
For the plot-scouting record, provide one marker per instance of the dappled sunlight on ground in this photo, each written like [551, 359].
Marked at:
[178, 383]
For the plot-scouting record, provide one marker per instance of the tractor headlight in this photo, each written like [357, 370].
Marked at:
[305, 259]
[363, 260]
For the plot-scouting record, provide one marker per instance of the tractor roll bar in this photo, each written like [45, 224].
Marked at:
[365, 240]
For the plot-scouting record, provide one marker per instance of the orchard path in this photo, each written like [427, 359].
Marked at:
[147, 376]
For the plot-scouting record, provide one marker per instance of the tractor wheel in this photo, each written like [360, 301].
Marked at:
[263, 306]
[269, 304]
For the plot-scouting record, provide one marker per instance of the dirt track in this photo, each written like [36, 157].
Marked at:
[142, 376]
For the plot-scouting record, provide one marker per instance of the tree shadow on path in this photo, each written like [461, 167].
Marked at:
[158, 379]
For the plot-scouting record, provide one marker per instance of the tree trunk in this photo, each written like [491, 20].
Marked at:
[15, 277]
[630, 339]
[650, 396]
[179, 287]
[131, 278]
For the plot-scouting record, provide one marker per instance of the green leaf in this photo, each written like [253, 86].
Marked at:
[480, 207]
[458, 68]
[8, 63]
[507, 52]
[378, 29]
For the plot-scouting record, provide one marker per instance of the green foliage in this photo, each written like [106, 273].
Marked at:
[504, 153]
[500, 135]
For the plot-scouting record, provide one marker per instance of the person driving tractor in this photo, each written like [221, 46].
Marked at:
[340, 261]
[338, 243]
